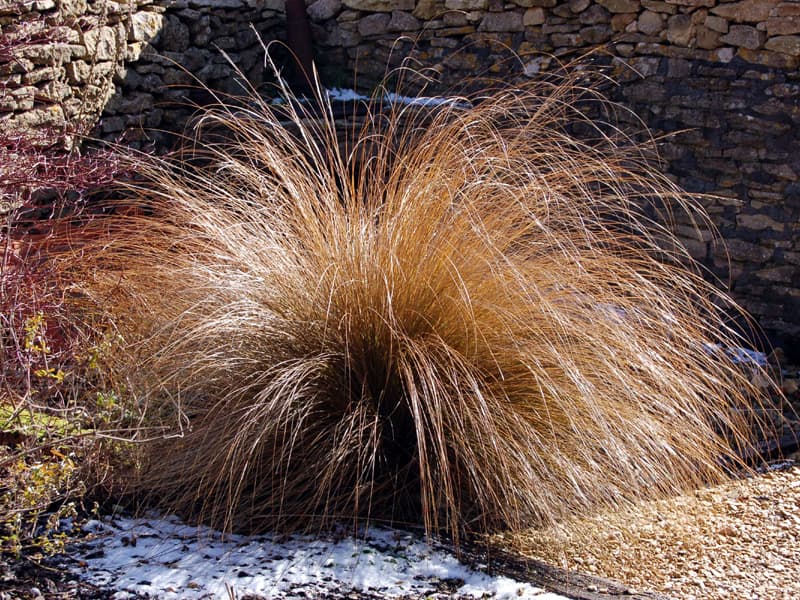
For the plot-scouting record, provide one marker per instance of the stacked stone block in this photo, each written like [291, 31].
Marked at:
[128, 70]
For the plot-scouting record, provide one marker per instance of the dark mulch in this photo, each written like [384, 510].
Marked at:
[27, 578]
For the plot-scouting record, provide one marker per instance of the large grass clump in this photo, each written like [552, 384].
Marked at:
[460, 316]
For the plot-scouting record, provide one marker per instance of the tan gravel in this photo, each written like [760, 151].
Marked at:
[737, 541]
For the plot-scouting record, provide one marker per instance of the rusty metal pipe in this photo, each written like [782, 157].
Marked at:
[298, 40]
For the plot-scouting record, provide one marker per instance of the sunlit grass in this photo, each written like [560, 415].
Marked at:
[464, 318]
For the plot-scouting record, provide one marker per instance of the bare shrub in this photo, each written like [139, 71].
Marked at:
[54, 391]
[464, 318]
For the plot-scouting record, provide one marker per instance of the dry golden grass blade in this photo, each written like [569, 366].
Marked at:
[465, 318]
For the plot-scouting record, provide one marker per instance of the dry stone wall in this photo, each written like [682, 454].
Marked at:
[57, 61]
[718, 82]
[126, 71]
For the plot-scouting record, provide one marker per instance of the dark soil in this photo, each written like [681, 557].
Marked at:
[26, 578]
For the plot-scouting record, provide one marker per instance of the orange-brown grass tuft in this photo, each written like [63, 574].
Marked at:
[463, 318]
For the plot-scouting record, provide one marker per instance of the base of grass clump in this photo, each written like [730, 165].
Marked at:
[464, 318]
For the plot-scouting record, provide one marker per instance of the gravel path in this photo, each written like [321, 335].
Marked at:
[736, 541]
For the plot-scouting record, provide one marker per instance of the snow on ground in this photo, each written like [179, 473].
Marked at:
[740, 356]
[165, 558]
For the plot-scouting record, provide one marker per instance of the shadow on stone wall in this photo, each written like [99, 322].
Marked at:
[177, 52]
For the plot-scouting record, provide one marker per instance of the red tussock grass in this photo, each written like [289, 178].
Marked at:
[465, 318]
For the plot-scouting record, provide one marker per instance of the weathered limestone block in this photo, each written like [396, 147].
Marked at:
[697, 249]
[428, 9]
[786, 8]
[72, 8]
[620, 6]
[374, 24]
[23, 98]
[650, 23]
[549, 28]
[455, 32]
[692, 3]
[403, 21]
[7, 105]
[792, 258]
[743, 251]
[137, 51]
[578, 6]
[783, 25]
[379, 5]
[679, 68]
[100, 74]
[112, 124]
[466, 4]
[562, 11]
[102, 44]
[348, 16]
[744, 36]
[225, 42]
[144, 26]
[715, 23]
[533, 16]
[111, 8]
[781, 171]
[49, 54]
[594, 15]
[201, 31]
[746, 11]
[647, 91]
[131, 103]
[54, 91]
[680, 29]
[723, 55]
[18, 65]
[343, 38]
[706, 38]
[506, 21]
[624, 22]
[322, 10]
[39, 75]
[786, 44]
[758, 222]
[50, 115]
[596, 34]
[659, 6]
[566, 40]
[645, 66]
[456, 18]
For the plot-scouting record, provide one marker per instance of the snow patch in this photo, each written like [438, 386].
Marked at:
[162, 557]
